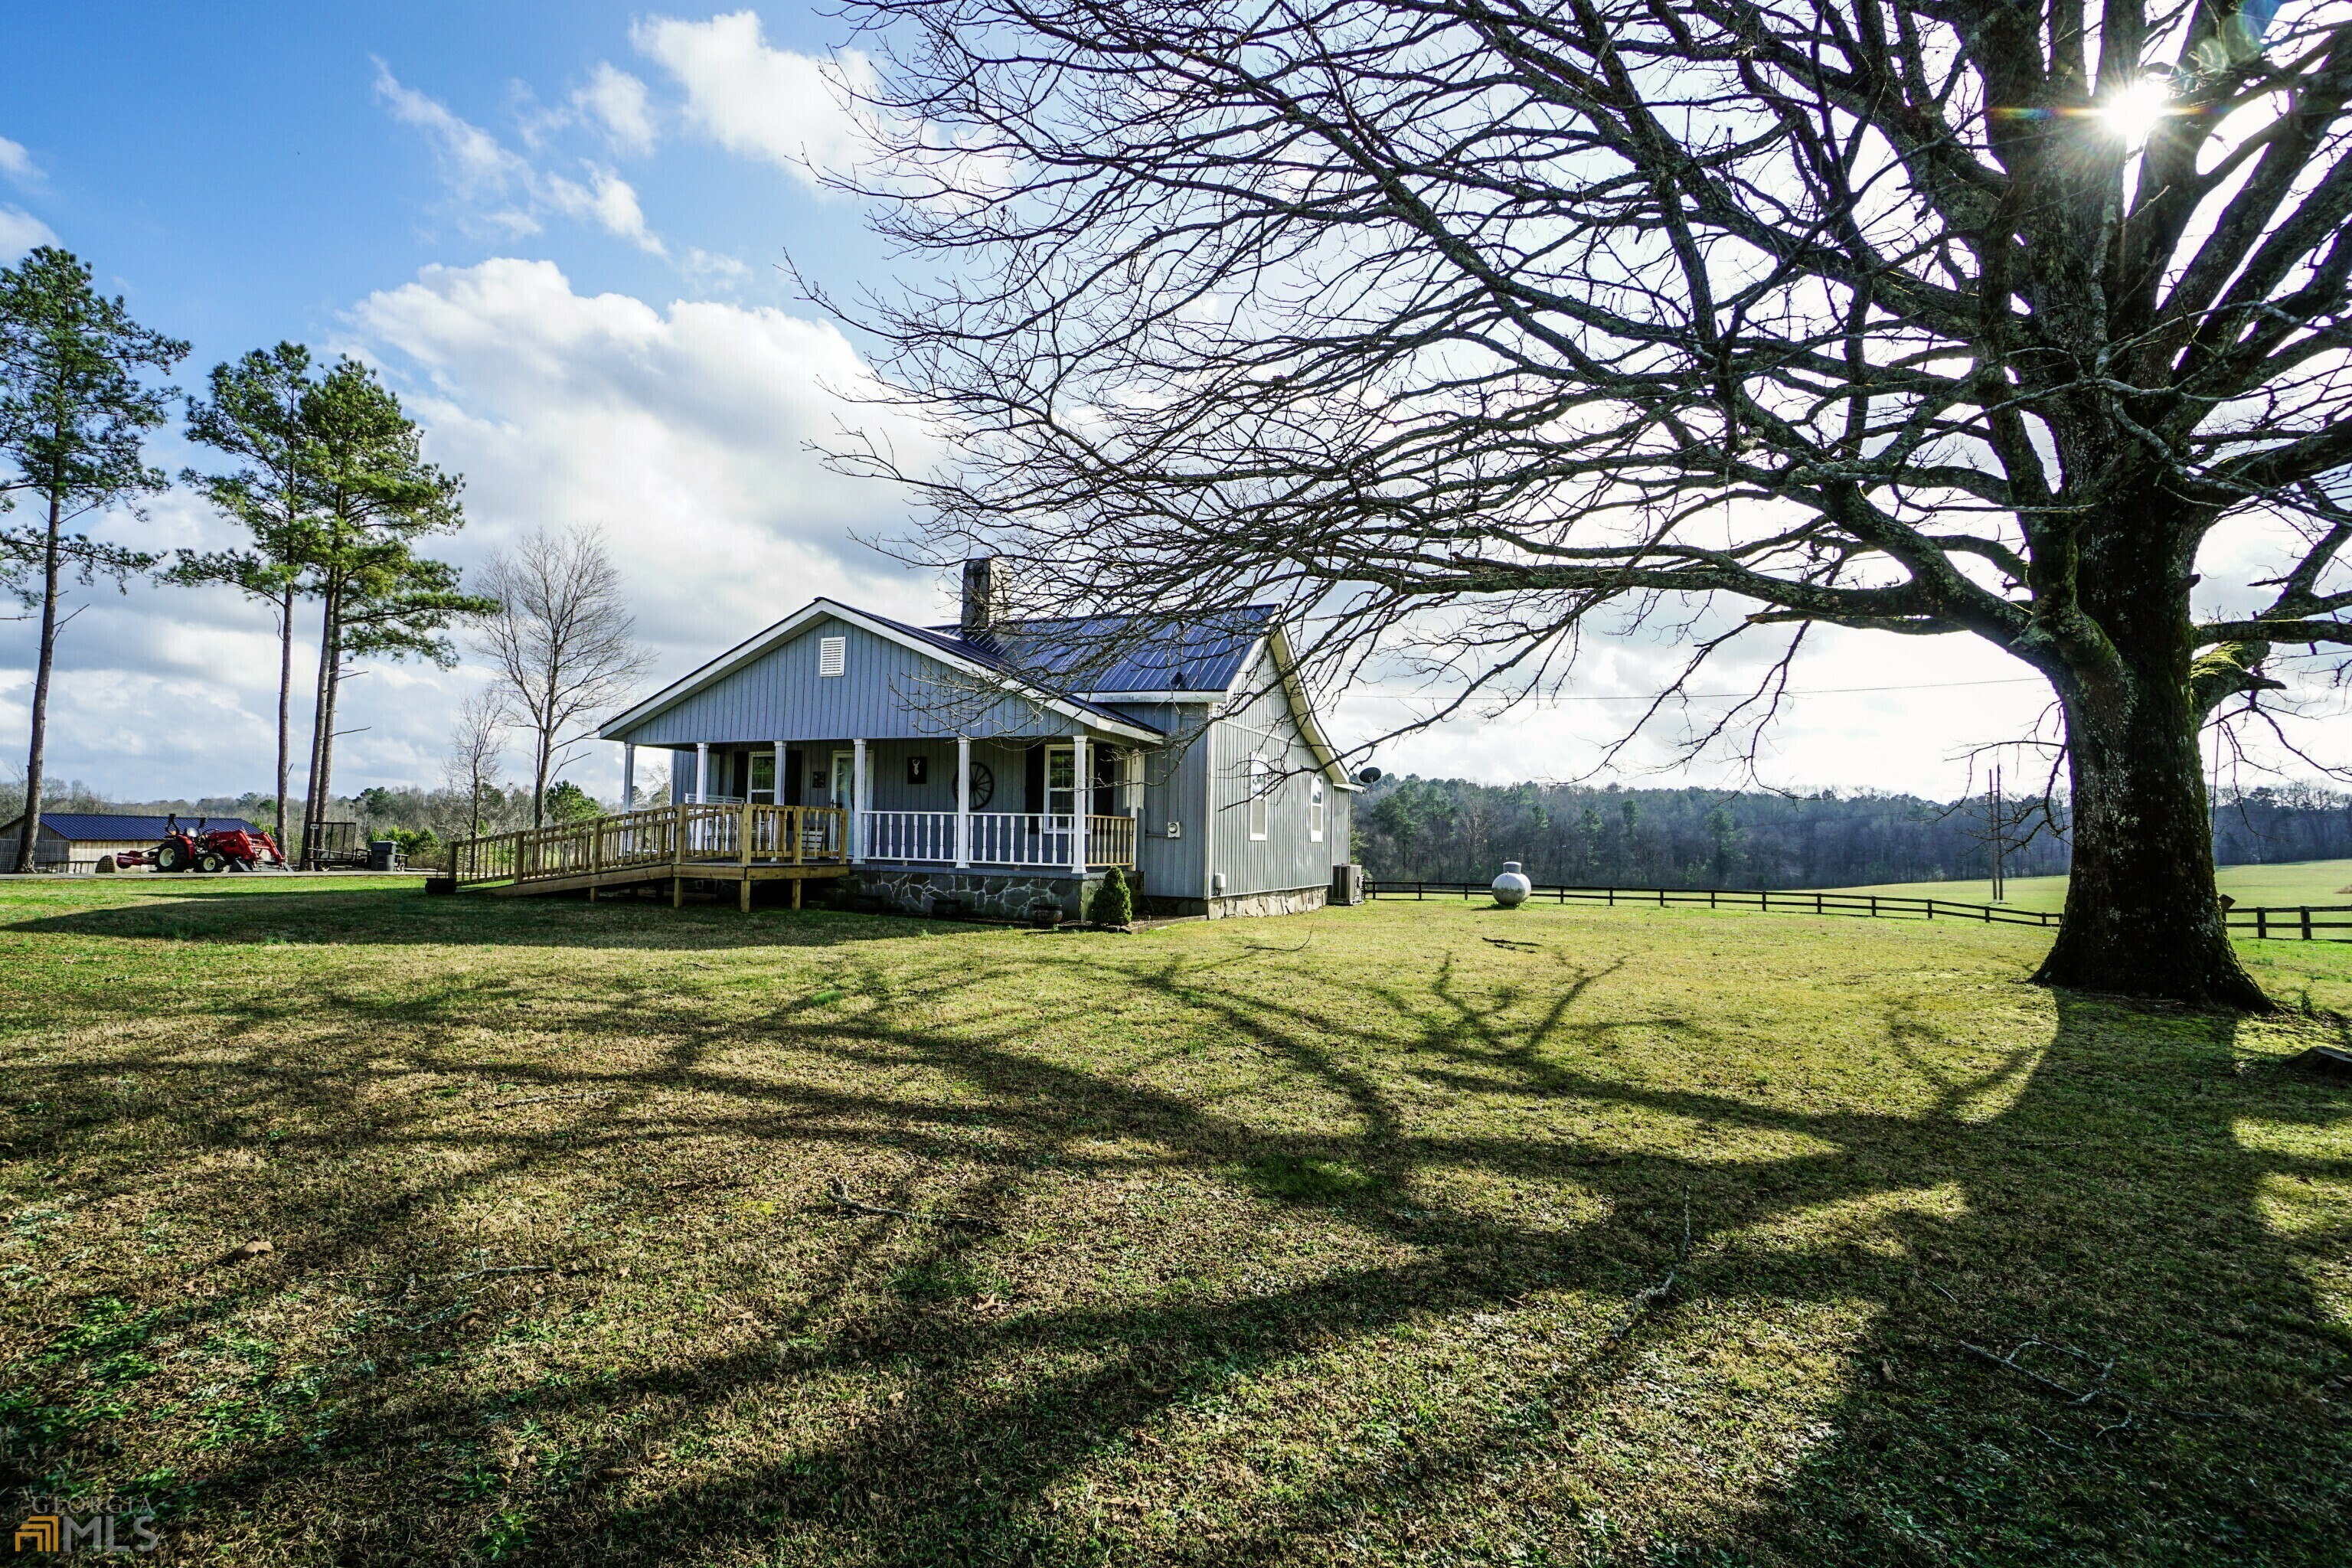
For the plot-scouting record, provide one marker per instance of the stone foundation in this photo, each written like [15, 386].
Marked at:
[978, 895]
[1286, 901]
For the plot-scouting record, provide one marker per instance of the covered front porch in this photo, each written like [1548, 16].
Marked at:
[956, 803]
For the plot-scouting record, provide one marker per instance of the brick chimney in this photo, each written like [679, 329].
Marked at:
[980, 593]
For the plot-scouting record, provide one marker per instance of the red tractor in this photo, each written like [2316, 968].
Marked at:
[228, 850]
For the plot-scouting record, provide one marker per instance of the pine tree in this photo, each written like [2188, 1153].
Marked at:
[378, 597]
[256, 414]
[72, 415]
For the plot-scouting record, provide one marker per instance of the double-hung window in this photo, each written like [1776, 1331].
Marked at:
[1261, 784]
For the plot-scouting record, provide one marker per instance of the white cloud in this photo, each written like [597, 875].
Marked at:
[508, 192]
[715, 265]
[682, 431]
[617, 102]
[17, 163]
[472, 160]
[607, 198]
[20, 231]
[790, 109]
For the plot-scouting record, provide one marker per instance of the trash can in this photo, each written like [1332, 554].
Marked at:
[383, 855]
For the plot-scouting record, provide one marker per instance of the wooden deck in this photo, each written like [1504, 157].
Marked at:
[742, 844]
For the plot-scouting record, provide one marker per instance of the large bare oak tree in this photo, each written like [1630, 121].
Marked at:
[1964, 317]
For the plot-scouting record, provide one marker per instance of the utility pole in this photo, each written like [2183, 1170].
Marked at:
[1993, 817]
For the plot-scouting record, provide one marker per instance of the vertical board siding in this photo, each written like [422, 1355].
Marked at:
[1175, 788]
[1285, 857]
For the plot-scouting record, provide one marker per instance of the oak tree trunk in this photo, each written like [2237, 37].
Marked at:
[2142, 915]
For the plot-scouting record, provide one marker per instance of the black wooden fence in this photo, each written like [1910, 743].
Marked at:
[2300, 922]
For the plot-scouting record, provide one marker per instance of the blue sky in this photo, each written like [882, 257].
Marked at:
[556, 228]
[236, 172]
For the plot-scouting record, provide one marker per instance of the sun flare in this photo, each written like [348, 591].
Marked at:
[2134, 112]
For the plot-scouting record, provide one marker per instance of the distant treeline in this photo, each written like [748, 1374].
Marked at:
[419, 820]
[1453, 830]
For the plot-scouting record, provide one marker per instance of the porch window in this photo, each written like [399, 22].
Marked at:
[1061, 781]
[1314, 809]
[1260, 782]
[832, 655]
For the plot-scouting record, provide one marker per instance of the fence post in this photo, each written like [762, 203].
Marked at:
[1662, 898]
[1711, 898]
[1764, 898]
[1612, 897]
[2306, 923]
[1874, 905]
[1817, 904]
[2262, 923]
[1931, 909]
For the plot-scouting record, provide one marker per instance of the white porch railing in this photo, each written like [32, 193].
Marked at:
[911, 834]
[998, 838]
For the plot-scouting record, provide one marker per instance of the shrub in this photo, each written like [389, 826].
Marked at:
[1114, 904]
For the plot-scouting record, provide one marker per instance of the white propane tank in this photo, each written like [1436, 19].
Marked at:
[1511, 888]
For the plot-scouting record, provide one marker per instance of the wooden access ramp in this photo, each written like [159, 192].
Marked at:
[741, 843]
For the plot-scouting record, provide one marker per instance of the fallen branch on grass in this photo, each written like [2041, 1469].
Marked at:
[1645, 1298]
[839, 1191]
[1506, 941]
[2097, 1390]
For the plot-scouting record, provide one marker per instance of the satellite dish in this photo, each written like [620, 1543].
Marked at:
[1370, 777]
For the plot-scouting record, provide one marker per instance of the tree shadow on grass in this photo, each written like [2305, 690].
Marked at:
[2118, 1191]
[410, 916]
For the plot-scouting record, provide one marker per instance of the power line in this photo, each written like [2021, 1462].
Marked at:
[1711, 696]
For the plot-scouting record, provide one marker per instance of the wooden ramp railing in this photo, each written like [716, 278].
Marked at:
[687, 836]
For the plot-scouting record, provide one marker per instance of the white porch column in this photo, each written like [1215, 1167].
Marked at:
[858, 798]
[628, 775]
[702, 772]
[1082, 801]
[963, 802]
[779, 796]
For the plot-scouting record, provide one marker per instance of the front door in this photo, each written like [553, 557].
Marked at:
[845, 766]
[763, 778]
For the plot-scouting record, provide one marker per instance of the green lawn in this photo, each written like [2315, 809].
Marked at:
[1338, 1238]
[2296, 883]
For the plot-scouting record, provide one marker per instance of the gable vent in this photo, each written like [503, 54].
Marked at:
[832, 655]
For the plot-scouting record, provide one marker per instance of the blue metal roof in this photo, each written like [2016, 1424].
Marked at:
[1145, 653]
[84, 826]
